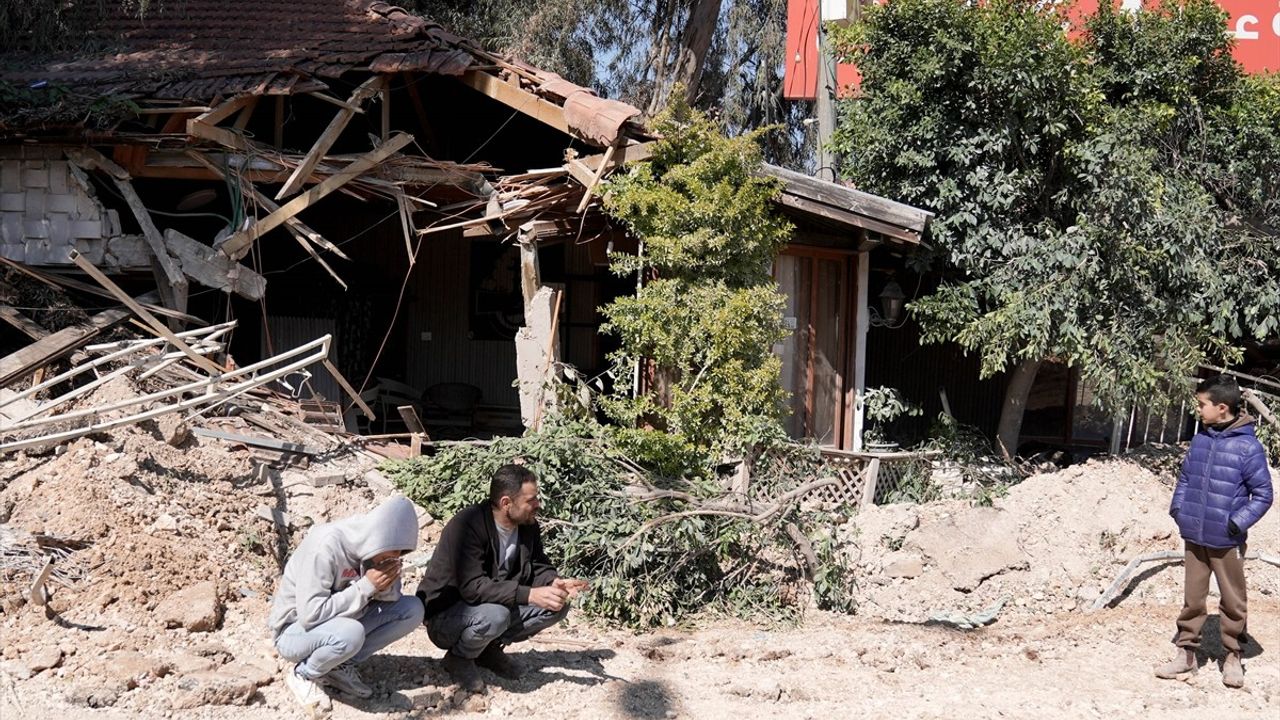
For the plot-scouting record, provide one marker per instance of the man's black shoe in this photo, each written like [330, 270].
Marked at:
[496, 660]
[463, 670]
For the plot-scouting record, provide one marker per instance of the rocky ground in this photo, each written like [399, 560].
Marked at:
[162, 612]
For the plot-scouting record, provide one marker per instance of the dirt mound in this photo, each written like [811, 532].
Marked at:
[182, 546]
[1053, 544]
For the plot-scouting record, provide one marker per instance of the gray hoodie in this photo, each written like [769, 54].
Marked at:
[324, 577]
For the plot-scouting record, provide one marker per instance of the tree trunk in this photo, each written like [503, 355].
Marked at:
[691, 54]
[1015, 406]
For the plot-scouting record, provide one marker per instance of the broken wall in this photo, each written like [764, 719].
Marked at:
[48, 207]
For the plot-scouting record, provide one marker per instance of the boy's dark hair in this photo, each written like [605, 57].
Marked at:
[1221, 389]
[507, 481]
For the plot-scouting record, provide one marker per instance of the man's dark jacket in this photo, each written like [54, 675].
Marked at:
[465, 564]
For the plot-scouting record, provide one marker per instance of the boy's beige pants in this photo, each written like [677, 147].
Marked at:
[1226, 564]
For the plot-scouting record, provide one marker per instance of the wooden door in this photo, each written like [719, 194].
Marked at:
[816, 355]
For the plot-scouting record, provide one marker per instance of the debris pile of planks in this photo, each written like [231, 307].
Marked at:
[185, 381]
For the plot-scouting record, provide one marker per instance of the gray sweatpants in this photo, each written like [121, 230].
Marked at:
[466, 630]
[331, 643]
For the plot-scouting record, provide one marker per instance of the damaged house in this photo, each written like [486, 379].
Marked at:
[343, 169]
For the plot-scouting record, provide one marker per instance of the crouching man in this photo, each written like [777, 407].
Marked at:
[490, 583]
[339, 600]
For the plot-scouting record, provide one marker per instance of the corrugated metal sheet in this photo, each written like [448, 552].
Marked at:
[439, 307]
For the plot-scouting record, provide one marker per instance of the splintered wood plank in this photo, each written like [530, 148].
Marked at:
[91, 159]
[22, 323]
[213, 269]
[366, 162]
[330, 135]
[44, 351]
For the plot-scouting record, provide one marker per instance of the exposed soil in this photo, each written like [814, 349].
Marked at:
[198, 519]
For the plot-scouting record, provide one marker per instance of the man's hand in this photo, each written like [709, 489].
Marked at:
[572, 586]
[549, 597]
[383, 574]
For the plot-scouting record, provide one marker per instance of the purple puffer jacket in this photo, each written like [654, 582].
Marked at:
[1224, 478]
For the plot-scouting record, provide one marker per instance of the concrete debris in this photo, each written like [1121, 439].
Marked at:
[197, 608]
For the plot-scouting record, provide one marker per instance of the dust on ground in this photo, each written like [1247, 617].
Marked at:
[185, 544]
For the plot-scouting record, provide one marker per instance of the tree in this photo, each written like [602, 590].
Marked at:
[709, 314]
[1109, 202]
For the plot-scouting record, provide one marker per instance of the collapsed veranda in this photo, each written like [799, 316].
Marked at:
[348, 169]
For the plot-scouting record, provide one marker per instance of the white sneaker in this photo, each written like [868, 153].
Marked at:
[345, 679]
[308, 692]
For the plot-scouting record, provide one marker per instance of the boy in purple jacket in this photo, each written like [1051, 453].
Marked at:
[1223, 489]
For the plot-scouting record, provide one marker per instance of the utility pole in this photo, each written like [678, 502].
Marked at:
[826, 106]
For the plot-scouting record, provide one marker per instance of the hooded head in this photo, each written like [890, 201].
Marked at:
[392, 526]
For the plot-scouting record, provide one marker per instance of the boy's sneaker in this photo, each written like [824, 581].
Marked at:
[1233, 671]
[345, 679]
[463, 670]
[495, 659]
[1184, 663]
[308, 692]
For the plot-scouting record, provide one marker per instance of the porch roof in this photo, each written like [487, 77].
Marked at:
[843, 207]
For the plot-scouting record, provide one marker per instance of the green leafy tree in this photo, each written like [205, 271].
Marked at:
[1110, 202]
[709, 311]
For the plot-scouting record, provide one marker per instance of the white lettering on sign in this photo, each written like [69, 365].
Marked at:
[1243, 22]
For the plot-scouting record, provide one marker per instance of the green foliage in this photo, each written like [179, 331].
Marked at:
[1112, 203]
[881, 406]
[596, 502]
[710, 313]
[1269, 436]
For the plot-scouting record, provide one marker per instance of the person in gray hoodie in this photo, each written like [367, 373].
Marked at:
[339, 600]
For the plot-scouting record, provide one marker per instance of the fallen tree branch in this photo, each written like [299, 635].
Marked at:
[1123, 577]
[735, 511]
[806, 549]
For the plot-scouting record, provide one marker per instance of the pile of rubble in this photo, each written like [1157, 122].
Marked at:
[1054, 543]
[163, 533]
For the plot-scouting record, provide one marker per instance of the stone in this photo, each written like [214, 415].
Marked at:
[128, 668]
[378, 483]
[44, 659]
[475, 703]
[197, 608]
[216, 687]
[971, 548]
[16, 669]
[174, 431]
[165, 523]
[259, 672]
[94, 696]
[321, 477]
[214, 651]
[191, 664]
[904, 567]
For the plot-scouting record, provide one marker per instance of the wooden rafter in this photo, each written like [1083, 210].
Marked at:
[514, 96]
[302, 173]
[243, 239]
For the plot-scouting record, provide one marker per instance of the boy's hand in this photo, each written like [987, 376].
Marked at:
[384, 574]
[1232, 528]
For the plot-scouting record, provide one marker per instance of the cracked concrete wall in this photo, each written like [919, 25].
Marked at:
[48, 207]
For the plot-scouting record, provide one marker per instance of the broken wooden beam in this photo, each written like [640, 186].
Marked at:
[156, 326]
[170, 280]
[44, 351]
[58, 281]
[302, 173]
[23, 323]
[213, 269]
[346, 386]
[243, 239]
